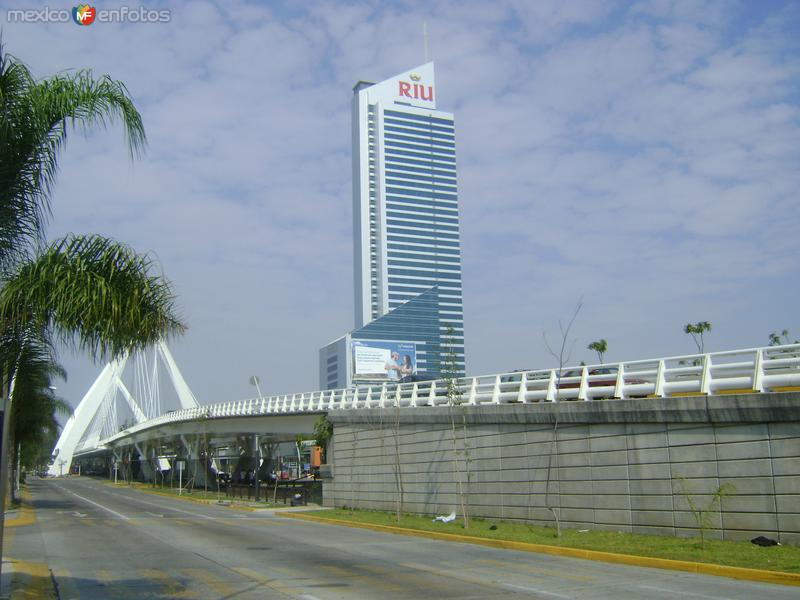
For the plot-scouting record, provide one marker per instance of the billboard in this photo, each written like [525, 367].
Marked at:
[386, 361]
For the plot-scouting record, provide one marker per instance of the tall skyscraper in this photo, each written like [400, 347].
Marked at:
[405, 199]
[407, 246]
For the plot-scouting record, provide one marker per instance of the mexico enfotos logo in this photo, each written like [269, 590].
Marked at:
[85, 14]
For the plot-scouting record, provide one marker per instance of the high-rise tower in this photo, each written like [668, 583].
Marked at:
[406, 235]
[405, 200]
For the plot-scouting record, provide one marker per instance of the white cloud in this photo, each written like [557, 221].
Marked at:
[641, 156]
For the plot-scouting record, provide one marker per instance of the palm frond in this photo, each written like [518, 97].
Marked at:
[93, 293]
[34, 119]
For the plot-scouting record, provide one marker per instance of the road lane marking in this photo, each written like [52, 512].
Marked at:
[97, 504]
[157, 515]
[162, 507]
[525, 588]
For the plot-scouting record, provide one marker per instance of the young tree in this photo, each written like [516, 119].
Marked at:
[601, 347]
[455, 399]
[561, 355]
[696, 330]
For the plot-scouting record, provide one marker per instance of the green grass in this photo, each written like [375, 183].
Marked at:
[734, 554]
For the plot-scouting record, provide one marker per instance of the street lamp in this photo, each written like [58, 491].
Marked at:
[254, 380]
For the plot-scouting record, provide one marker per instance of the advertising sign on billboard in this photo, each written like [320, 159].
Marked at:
[388, 361]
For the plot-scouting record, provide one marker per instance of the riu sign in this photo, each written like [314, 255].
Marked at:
[416, 91]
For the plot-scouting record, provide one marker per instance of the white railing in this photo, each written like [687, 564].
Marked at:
[772, 368]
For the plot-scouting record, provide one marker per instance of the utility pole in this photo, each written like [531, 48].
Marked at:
[257, 457]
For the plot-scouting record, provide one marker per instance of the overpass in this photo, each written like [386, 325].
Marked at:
[158, 436]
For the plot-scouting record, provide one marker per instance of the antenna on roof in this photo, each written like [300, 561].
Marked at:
[425, 38]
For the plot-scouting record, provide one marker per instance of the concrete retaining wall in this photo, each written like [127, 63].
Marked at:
[625, 465]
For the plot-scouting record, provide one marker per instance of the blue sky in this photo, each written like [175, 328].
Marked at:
[641, 156]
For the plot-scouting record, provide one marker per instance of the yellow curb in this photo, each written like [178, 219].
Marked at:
[188, 498]
[26, 514]
[206, 501]
[780, 577]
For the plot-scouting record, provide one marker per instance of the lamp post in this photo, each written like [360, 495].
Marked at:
[254, 380]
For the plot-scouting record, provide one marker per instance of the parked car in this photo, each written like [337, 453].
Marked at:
[599, 377]
[417, 377]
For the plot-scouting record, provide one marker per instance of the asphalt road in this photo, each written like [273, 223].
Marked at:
[101, 542]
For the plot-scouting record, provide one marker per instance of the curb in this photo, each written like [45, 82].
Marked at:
[188, 498]
[779, 577]
[209, 502]
[25, 515]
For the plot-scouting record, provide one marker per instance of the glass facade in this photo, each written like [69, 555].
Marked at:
[416, 321]
[406, 217]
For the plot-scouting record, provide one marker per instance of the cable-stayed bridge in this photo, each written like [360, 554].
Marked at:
[138, 420]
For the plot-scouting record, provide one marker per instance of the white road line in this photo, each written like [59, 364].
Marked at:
[92, 502]
[682, 593]
[163, 506]
[525, 588]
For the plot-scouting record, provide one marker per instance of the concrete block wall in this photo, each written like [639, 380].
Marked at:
[626, 465]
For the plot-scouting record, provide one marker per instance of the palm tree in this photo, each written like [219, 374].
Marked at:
[88, 291]
[33, 421]
[696, 330]
[599, 346]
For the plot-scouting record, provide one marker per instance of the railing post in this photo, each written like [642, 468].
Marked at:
[496, 390]
[619, 388]
[397, 395]
[432, 394]
[522, 395]
[705, 377]
[584, 385]
[551, 387]
[658, 391]
[369, 397]
[758, 372]
[383, 395]
[414, 395]
[473, 391]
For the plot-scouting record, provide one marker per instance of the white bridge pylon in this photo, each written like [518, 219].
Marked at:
[96, 415]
